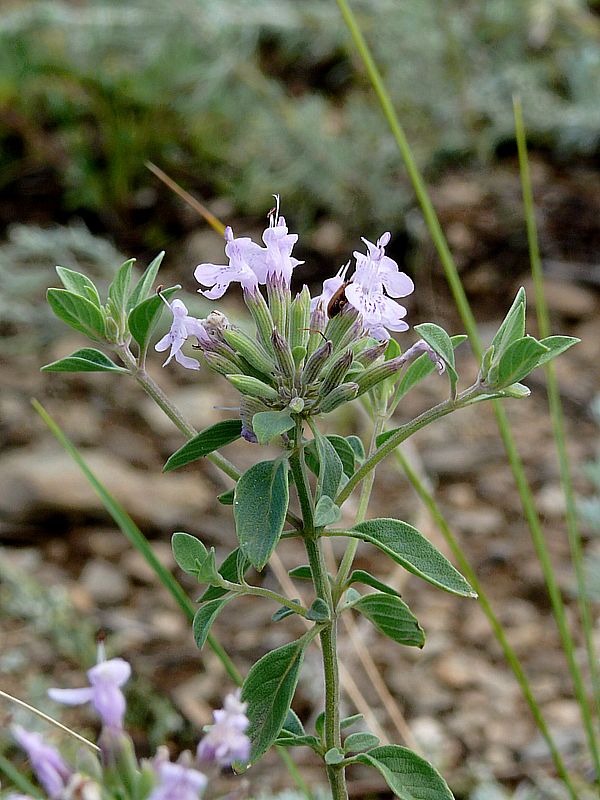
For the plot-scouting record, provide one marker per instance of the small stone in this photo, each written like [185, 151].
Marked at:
[566, 299]
[105, 542]
[134, 563]
[104, 582]
[168, 624]
[477, 521]
[456, 670]
[550, 500]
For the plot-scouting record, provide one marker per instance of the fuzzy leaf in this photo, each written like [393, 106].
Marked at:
[143, 319]
[419, 369]
[392, 617]
[118, 291]
[512, 327]
[360, 741]
[408, 775]
[556, 345]
[80, 284]
[334, 756]
[205, 442]
[269, 689]
[269, 424]
[144, 286]
[230, 570]
[259, 507]
[361, 576]
[331, 469]
[326, 512]
[518, 360]
[78, 312]
[319, 611]
[87, 359]
[358, 448]
[188, 551]
[204, 618]
[345, 451]
[438, 339]
[409, 548]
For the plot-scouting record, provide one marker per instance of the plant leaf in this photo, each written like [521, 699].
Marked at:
[326, 512]
[269, 689]
[392, 617]
[118, 290]
[408, 775]
[440, 341]
[269, 424]
[518, 360]
[345, 451]
[361, 576]
[88, 359]
[556, 345]
[78, 312]
[188, 551]
[230, 570]
[406, 546]
[512, 327]
[331, 469]
[143, 319]
[144, 286]
[204, 618]
[358, 448]
[334, 756]
[205, 442]
[302, 573]
[259, 508]
[319, 611]
[360, 741]
[292, 725]
[80, 284]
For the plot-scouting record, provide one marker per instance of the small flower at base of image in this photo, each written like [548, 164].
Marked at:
[104, 692]
[176, 781]
[47, 763]
[225, 741]
[182, 327]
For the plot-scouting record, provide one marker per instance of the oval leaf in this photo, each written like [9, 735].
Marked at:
[392, 617]
[269, 424]
[231, 570]
[345, 451]
[519, 359]
[88, 359]
[331, 470]
[144, 286]
[362, 576]
[188, 552]
[259, 508]
[205, 442]
[79, 283]
[409, 548]
[408, 775]
[269, 690]
[360, 741]
[326, 512]
[78, 312]
[204, 618]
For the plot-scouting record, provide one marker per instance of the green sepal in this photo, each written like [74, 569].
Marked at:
[78, 312]
[358, 448]
[267, 425]
[205, 442]
[88, 359]
[206, 570]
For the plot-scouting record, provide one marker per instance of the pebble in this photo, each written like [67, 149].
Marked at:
[566, 299]
[136, 566]
[104, 582]
[477, 521]
[550, 500]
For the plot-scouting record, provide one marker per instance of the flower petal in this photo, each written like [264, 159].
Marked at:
[72, 697]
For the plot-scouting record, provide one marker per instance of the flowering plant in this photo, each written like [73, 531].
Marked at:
[308, 357]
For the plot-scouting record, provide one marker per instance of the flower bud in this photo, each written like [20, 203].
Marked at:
[373, 375]
[341, 394]
[318, 323]
[315, 363]
[353, 333]
[278, 294]
[249, 406]
[250, 350]
[252, 387]
[300, 319]
[296, 405]
[336, 373]
[220, 364]
[261, 315]
[371, 354]
[283, 354]
[338, 326]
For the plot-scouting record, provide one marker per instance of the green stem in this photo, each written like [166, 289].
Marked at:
[509, 654]
[556, 411]
[454, 281]
[328, 634]
[259, 591]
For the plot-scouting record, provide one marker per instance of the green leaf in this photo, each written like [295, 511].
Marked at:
[80, 284]
[319, 611]
[409, 548]
[299, 741]
[293, 725]
[204, 618]
[144, 318]
[345, 451]
[334, 756]
[331, 469]
[326, 512]
[144, 286]
[283, 612]
[348, 722]
[392, 617]
[205, 442]
[188, 551]
[269, 424]
[419, 369]
[408, 775]
[85, 360]
[438, 339]
[320, 724]
[230, 570]
[226, 499]
[206, 570]
[358, 448]
[512, 327]
[361, 576]
[118, 290]
[269, 689]
[259, 508]
[360, 741]
[556, 345]
[519, 359]
[303, 573]
[78, 312]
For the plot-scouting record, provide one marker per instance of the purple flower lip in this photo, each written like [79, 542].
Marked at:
[47, 763]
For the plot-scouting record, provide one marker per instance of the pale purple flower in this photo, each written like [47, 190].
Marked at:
[182, 327]
[178, 782]
[218, 276]
[376, 272]
[104, 692]
[330, 287]
[226, 741]
[276, 258]
[47, 763]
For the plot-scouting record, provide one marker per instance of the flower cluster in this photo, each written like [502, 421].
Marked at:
[157, 779]
[309, 355]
